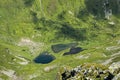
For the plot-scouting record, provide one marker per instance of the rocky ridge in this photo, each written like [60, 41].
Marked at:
[90, 72]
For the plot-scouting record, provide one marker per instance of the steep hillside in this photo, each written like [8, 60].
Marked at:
[74, 32]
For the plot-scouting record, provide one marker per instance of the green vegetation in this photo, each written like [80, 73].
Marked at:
[30, 27]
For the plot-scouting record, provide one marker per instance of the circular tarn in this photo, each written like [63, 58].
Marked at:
[44, 58]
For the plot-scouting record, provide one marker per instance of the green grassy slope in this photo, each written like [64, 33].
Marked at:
[29, 27]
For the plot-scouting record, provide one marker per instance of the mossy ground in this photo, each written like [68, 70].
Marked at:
[47, 22]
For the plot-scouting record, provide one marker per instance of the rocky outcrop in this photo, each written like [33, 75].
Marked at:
[115, 69]
[90, 72]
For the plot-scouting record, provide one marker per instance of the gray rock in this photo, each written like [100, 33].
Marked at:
[117, 77]
[111, 48]
[113, 67]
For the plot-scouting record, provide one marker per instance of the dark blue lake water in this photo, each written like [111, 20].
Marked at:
[44, 58]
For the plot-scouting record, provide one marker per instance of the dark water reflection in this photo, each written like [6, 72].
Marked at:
[44, 58]
[59, 47]
[74, 51]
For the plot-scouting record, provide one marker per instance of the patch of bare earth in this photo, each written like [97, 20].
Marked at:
[33, 46]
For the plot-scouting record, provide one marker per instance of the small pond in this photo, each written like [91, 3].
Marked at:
[44, 58]
[74, 51]
[59, 47]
